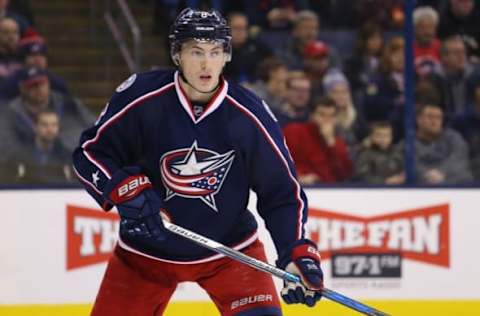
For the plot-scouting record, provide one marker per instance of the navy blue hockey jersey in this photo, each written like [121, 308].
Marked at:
[203, 166]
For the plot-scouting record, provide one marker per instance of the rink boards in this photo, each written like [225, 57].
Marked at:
[409, 252]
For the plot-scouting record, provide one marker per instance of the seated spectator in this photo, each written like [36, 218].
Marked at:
[9, 36]
[295, 108]
[306, 28]
[461, 18]
[319, 154]
[426, 46]
[318, 65]
[6, 12]
[468, 124]
[246, 52]
[272, 82]
[350, 123]
[456, 76]
[441, 153]
[363, 64]
[379, 161]
[34, 51]
[45, 160]
[34, 54]
[384, 98]
[18, 117]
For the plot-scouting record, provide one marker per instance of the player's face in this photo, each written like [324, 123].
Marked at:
[202, 64]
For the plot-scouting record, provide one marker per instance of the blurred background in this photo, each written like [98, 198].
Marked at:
[397, 82]
[374, 97]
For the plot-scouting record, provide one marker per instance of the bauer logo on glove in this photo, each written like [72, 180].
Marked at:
[132, 187]
[138, 204]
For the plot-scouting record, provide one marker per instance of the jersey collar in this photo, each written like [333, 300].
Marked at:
[212, 105]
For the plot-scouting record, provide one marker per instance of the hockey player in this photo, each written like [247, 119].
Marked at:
[188, 146]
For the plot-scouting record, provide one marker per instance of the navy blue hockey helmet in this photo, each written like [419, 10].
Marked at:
[202, 26]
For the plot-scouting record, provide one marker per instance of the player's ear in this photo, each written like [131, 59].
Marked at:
[176, 59]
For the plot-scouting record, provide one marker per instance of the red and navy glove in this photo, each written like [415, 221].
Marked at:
[302, 259]
[138, 205]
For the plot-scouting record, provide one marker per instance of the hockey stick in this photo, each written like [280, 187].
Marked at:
[268, 268]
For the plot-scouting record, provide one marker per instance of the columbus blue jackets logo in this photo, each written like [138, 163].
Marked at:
[127, 83]
[195, 173]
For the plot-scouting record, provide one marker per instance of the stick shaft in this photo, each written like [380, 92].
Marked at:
[268, 268]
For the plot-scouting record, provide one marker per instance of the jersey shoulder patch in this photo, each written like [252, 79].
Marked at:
[133, 88]
[139, 84]
[127, 83]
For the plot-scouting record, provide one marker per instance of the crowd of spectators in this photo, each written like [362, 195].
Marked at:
[40, 121]
[331, 71]
[302, 57]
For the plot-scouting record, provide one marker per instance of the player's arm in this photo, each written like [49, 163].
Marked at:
[281, 200]
[105, 148]
[283, 205]
[106, 162]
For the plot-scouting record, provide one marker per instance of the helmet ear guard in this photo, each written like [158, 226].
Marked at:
[202, 26]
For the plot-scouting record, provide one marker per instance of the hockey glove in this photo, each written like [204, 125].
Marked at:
[302, 259]
[138, 205]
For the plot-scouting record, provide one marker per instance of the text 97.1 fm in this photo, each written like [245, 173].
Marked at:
[366, 265]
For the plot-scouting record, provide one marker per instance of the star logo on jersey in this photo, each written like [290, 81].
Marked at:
[95, 178]
[195, 173]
